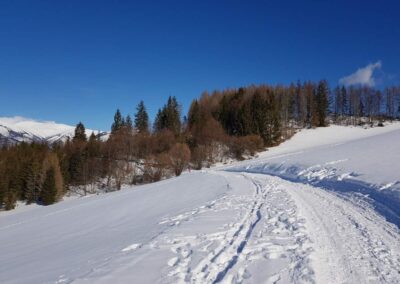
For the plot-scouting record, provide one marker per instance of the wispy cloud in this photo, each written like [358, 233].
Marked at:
[363, 76]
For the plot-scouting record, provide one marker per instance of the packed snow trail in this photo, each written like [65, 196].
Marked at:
[351, 242]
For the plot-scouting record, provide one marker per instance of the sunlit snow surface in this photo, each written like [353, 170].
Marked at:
[314, 210]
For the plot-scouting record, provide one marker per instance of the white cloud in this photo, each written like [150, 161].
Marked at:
[363, 76]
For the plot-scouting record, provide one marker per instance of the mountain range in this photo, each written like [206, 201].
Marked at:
[14, 130]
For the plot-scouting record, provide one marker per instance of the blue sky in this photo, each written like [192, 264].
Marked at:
[80, 60]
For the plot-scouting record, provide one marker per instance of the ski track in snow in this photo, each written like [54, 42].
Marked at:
[268, 231]
[263, 229]
[283, 232]
[302, 234]
[354, 244]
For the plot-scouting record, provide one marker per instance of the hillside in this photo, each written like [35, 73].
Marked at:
[320, 207]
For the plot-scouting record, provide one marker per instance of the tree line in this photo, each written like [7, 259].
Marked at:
[233, 123]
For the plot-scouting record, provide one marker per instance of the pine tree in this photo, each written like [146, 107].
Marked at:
[93, 146]
[141, 118]
[118, 122]
[322, 102]
[172, 116]
[159, 121]
[49, 190]
[344, 100]
[31, 181]
[194, 114]
[338, 103]
[92, 137]
[80, 133]
[169, 117]
[128, 122]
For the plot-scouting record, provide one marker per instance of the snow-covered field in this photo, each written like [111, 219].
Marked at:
[320, 208]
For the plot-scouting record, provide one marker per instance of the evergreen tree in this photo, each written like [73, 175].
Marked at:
[92, 137]
[76, 165]
[169, 117]
[118, 122]
[80, 133]
[49, 190]
[344, 100]
[128, 122]
[194, 114]
[31, 181]
[141, 118]
[322, 102]
[172, 116]
[338, 102]
[93, 146]
[159, 121]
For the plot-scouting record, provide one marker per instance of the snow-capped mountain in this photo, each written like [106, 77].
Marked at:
[19, 129]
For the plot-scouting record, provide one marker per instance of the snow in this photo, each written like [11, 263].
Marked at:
[368, 153]
[316, 209]
[38, 128]
[29, 128]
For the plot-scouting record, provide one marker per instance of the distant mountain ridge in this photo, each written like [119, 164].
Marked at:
[14, 130]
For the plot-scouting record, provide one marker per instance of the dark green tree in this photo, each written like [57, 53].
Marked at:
[118, 122]
[49, 191]
[344, 105]
[31, 180]
[80, 133]
[194, 116]
[173, 115]
[128, 122]
[169, 117]
[159, 121]
[322, 102]
[141, 118]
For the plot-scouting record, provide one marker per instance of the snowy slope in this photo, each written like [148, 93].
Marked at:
[18, 129]
[369, 153]
[363, 163]
[228, 225]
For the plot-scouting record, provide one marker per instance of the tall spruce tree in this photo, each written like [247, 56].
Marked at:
[344, 100]
[80, 133]
[31, 180]
[49, 190]
[322, 102]
[128, 122]
[173, 120]
[141, 118]
[194, 116]
[118, 122]
[169, 117]
[159, 121]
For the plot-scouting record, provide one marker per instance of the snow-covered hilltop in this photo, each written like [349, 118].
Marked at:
[320, 208]
[19, 129]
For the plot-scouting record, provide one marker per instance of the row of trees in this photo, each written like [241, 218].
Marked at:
[233, 123]
[355, 105]
[30, 172]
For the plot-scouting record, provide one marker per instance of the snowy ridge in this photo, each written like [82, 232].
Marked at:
[18, 129]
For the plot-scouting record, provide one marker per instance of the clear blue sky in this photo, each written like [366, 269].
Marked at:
[80, 60]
